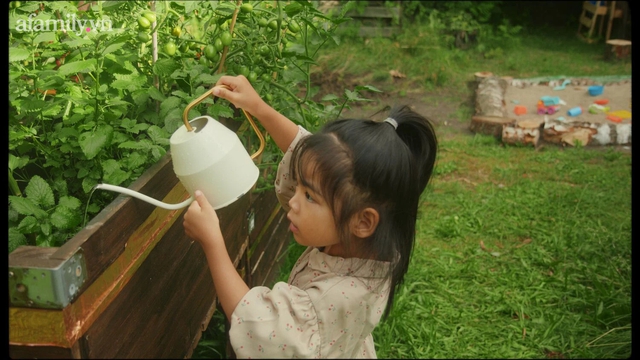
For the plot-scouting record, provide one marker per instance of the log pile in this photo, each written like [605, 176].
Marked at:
[491, 110]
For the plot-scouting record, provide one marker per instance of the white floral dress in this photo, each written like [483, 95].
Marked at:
[327, 309]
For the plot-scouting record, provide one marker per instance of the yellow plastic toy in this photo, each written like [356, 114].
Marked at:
[622, 114]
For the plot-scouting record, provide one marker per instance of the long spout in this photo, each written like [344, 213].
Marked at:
[145, 198]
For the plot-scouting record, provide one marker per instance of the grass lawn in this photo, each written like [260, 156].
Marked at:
[519, 253]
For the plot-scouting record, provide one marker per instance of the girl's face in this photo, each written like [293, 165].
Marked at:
[312, 222]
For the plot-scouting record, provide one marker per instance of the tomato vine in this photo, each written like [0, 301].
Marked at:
[98, 102]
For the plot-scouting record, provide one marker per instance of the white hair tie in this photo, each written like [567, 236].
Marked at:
[392, 122]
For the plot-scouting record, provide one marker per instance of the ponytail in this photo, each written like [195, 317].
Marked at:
[418, 134]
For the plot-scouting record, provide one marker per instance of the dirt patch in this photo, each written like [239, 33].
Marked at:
[442, 107]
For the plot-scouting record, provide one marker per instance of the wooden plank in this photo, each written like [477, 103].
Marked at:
[43, 352]
[262, 210]
[586, 21]
[270, 244]
[280, 236]
[120, 218]
[65, 326]
[594, 8]
[129, 327]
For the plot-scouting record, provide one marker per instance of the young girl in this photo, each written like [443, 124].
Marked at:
[351, 192]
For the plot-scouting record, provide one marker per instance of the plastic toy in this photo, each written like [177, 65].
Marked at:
[575, 111]
[520, 110]
[544, 109]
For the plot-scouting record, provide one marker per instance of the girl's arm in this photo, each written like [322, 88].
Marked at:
[244, 96]
[201, 224]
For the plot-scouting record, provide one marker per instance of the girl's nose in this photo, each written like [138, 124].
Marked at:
[293, 203]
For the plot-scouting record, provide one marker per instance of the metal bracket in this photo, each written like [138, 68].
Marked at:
[50, 288]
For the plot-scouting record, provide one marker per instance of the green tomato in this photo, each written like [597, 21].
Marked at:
[264, 50]
[265, 77]
[217, 43]
[244, 71]
[226, 38]
[246, 8]
[143, 36]
[170, 48]
[269, 97]
[176, 31]
[15, 4]
[203, 61]
[293, 26]
[252, 77]
[149, 16]
[273, 25]
[263, 22]
[144, 22]
[210, 52]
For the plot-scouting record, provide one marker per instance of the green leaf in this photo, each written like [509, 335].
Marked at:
[158, 135]
[65, 218]
[18, 54]
[165, 67]
[112, 174]
[45, 228]
[88, 183]
[25, 206]
[135, 160]
[329, 97]
[368, 87]
[207, 79]
[218, 111]
[173, 120]
[44, 37]
[39, 191]
[17, 162]
[157, 152]
[16, 239]
[92, 142]
[113, 47]
[83, 66]
[155, 94]
[69, 202]
[143, 144]
[28, 225]
[171, 103]
[52, 111]
[45, 240]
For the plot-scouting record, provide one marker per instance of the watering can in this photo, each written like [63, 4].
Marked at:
[209, 157]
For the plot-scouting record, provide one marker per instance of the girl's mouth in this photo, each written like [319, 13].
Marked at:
[292, 227]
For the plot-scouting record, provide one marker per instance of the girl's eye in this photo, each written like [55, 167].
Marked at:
[307, 196]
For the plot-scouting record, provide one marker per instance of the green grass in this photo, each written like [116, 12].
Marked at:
[519, 254]
[430, 62]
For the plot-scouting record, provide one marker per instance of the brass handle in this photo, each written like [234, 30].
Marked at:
[246, 114]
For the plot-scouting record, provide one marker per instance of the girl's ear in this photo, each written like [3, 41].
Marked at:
[365, 222]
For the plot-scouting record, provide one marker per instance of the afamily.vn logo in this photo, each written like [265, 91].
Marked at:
[71, 24]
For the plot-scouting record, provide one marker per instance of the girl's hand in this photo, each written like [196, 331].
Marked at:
[201, 221]
[242, 95]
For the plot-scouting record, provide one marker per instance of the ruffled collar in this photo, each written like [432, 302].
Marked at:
[317, 260]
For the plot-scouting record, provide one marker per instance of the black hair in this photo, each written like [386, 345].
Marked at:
[364, 163]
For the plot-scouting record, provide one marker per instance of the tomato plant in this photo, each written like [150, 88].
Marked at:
[95, 106]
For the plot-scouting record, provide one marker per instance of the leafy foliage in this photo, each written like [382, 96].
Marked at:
[91, 103]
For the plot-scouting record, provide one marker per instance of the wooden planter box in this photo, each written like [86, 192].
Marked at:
[131, 284]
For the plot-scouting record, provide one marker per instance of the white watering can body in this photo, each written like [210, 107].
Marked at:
[209, 157]
[212, 159]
